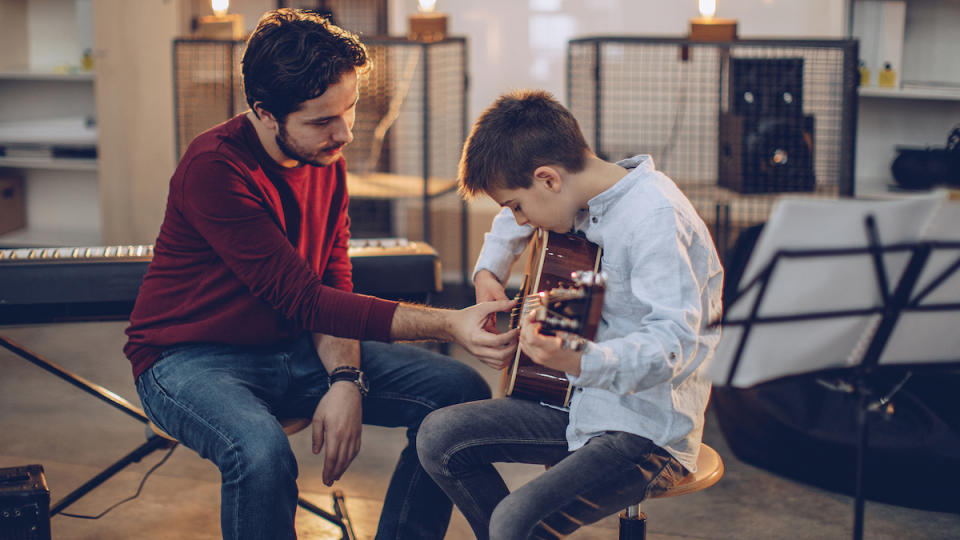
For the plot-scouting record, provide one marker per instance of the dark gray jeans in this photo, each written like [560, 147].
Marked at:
[459, 444]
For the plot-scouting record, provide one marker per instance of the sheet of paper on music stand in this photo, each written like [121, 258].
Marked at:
[815, 285]
[933, 336]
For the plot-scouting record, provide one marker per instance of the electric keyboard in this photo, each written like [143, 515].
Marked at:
[101, 283]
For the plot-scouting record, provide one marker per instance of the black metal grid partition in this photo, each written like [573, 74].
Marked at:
[410, 127]
[365, 17]
[207, 85]
[411, 121]
[735, 124]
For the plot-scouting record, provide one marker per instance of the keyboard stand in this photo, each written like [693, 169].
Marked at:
[104, 395]
[154, 442]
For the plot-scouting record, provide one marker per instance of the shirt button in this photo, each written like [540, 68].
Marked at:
[594, 219]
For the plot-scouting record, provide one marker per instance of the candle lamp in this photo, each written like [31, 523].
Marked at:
[427, 25]
[707, 27]
[220, 25]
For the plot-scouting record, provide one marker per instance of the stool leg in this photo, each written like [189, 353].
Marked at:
[340, 518]
[340, 509]
[633, 524]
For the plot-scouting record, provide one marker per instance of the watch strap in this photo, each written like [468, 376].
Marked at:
[350, 374]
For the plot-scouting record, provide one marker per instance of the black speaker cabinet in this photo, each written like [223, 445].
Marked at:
[766, 86]
[24, 504]
[766, 154]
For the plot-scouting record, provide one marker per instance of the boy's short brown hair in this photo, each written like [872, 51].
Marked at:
[521, 131]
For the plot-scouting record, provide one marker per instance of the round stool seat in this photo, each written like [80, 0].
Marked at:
[709, 472]
[290, 426]
[294, 425]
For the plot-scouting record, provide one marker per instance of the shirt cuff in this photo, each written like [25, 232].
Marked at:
[596, 367]
[381, 313]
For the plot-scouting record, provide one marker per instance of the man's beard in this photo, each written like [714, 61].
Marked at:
[292, 151]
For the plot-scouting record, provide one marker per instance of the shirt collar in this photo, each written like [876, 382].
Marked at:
[638, 166]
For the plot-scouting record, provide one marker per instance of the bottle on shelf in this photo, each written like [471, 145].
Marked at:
[887, 78]
[864, 74]
[87, 60]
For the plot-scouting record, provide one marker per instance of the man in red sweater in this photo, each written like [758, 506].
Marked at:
[246, 313]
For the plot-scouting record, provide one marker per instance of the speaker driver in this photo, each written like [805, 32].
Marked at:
[766, 155]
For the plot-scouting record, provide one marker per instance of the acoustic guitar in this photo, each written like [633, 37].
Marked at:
[563, 283]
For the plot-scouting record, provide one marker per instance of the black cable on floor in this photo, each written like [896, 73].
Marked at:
[130, 498]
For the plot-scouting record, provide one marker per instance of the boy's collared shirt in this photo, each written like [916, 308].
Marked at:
[643, 373]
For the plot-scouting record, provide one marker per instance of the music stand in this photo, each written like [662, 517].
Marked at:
[824, 270]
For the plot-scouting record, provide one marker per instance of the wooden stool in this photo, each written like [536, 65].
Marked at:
[340, 518]
[633, 524]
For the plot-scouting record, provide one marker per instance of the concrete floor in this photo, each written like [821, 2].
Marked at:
[73, 435]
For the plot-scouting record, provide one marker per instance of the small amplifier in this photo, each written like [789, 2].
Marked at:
[24, 504]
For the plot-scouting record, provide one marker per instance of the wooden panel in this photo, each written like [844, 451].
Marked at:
[134, 94]
[13, 39]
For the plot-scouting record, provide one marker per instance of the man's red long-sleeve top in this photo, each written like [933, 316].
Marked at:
[250, 253]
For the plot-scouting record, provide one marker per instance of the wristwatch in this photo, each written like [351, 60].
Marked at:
[352, 374]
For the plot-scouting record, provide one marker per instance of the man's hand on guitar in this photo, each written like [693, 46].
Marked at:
[489, 289]
[550, 351]
[469, 330]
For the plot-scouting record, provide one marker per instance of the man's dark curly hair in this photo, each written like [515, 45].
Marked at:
[293, 56]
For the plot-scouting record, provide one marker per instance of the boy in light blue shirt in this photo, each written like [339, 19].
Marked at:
[636, 415]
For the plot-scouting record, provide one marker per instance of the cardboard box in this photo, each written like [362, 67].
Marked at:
[12, 212]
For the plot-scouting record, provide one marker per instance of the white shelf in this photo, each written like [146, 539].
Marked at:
[928, 93]
[49, 132]
[50, 164]
[37, 75]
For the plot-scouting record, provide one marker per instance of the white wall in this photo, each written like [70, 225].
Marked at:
[53, 34]
[522, 43]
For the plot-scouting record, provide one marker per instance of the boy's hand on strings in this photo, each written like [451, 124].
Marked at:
[561, 351]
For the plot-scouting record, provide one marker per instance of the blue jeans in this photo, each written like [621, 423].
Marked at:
[224, 402]
[458, 446]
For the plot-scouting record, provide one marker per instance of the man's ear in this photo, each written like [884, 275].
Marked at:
[549, 176]
[266, 117]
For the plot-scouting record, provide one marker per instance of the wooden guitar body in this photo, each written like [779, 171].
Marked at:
[553, 258]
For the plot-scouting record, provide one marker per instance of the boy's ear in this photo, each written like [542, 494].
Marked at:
[265, 116]
[549, 176]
